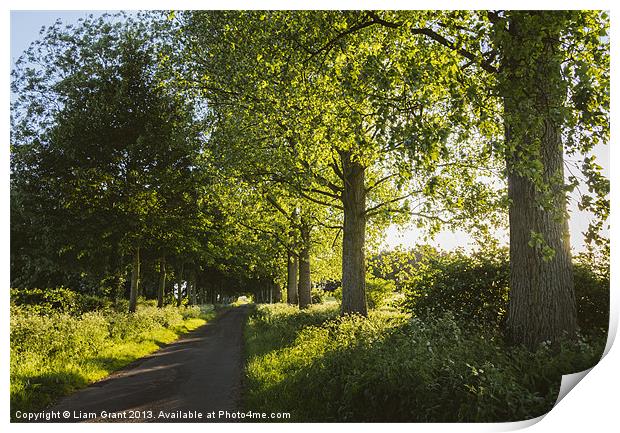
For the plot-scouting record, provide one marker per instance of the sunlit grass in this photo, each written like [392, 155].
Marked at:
[394, 367]
[91, 347]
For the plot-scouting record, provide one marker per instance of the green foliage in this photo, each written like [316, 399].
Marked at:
[390, 367]
[276, 325]
[318, 296]
[378, 291]
[474, 288]
[60, 300]
[54, 353]
[592, 293]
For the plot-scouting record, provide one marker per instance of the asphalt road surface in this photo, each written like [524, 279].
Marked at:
[190, 380]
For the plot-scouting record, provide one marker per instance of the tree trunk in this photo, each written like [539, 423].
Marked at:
[291, 282]
[272, 292]
[354, 237]
[191, 288]
[135, 280]
[162, 282]
[180, 284]
[194, 288]
[305, 283]
[542, 298]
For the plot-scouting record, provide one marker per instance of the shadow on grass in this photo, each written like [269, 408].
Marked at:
[404, 373]
[269, 333]
[34, 392]
[39, 391]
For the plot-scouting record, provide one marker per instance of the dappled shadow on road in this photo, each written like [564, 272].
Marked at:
[200, 372]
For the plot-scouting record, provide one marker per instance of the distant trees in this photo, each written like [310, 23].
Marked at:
[111, 157]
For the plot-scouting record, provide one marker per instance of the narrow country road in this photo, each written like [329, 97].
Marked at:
[199, 374]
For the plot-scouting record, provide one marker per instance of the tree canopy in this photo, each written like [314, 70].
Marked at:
[257, 149]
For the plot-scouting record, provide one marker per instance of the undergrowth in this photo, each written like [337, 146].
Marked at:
[55, 353]
[394, 367]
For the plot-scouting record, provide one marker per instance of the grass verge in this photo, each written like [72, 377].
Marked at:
[393, 367]
[57, 354]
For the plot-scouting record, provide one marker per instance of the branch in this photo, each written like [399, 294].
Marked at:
[336, 237]
[328, 194]
[372, 210]
[430, 217]
[268, 232]
[322, 224]
[485, 64]
[275, 204]
[322, 180]
[337, 170]
[314, 200]
[379, 182]
[339, 36]
[375, 19]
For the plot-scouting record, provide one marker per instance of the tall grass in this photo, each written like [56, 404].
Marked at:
[55, 353]
[392, 367]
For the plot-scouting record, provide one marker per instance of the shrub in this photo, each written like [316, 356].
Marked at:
[378, 291]
[393, 368]
[191, 312]
[45, 301]
[473, 288]
[318, 296]
[592, 294]
[56, 352]
[277, 325]
[93, 303]
[337, 293]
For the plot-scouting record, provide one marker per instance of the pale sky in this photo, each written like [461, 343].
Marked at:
[448, 240]
[25, 27]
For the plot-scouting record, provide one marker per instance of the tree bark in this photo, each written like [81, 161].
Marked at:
[354, 237]
[291, 282]
[135, 281]
[180, 284]
[162, 282]
[194, 289]
[542, 298]
[305, 283]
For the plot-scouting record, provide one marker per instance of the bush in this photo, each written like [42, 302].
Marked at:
[393, 368]
[93, 303]
[378, 291]
[473, 288]
[318, 296]
[54, 352]
[337, 293]
[44, 301]
[592, 295]
[277, 325]
[191, 312]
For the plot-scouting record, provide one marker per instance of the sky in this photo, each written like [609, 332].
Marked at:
[25, 28]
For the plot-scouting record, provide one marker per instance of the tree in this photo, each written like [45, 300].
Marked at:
[551, 73]
[534, 90]
[117, 150]
[334, 110]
